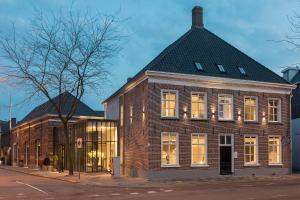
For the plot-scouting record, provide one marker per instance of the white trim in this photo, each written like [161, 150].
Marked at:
[279, 110]
[257, 151]
[232, 108]
[177, 150]
[218, 82]
[176, 101]
[205, 105]
[257, 109]
[205, 164]
[280, 150]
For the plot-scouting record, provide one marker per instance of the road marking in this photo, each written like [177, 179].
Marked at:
[134, 193]
[94, 195]
[20, 194]
[40, 190]
[279, 196]
[115, 194]
[151, 192]
[168, 190]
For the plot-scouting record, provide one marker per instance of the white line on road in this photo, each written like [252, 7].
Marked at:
[168, 190]
[151, 192]
[279, 196]
[40, 190]
[134, 193]
[115, 194]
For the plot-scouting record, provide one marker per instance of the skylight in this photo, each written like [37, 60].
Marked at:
[199, 66]
[221, 68]
[242, 70]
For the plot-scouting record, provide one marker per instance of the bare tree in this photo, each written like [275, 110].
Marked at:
[64, 52]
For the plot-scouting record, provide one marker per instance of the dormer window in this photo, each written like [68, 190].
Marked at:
[222, 68]
[242, 71]
[199, 66]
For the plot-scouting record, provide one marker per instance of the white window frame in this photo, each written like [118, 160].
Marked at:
[257, 151]
[205, 104]
[205, 149]
[121, 115]
[257, 109]
[280, 149]
[177, 150]
[131, 114]
[279, 110]
[232, 108]
[176, 101]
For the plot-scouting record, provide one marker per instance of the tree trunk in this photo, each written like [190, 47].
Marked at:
[69, 148]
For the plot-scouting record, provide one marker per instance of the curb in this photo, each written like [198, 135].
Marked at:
[37, 175]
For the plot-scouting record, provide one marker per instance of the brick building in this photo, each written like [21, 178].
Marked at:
[202, 108]
[292, 74]
[5, 149]
[37, 135]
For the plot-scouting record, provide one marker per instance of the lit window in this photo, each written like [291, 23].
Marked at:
[274, 150]
[199, 66]
[199, 149]
[274, 109]
[251, 150]
[199, 106]
[225, 108]
[242, 71]
[131, 114]
[121, 115]
[169, 154]
[250, 108]
[169, 107]
[221, 68]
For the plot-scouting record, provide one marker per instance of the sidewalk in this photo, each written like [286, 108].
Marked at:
[105, 180]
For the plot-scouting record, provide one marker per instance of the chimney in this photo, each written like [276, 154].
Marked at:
[197, 17]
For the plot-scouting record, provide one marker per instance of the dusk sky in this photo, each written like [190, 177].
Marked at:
[251, 26]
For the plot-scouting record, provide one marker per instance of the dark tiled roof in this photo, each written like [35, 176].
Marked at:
[296, 78]
[48, 108]
[4, 125]
[201, 45]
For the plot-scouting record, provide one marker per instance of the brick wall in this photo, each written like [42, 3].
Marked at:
[39, 131]
[213, 127]
[135, 134]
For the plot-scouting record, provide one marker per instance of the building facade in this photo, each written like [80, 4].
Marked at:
[202, 108]
[292, 74]
[39, 134]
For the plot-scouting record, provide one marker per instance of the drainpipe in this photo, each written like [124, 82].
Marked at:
[291, 137]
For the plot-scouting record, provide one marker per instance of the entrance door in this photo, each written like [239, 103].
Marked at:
[226, 154]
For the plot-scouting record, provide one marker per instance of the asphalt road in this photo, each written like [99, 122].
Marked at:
[15, 185]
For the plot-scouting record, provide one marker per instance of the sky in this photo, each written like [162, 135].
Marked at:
[254, 27]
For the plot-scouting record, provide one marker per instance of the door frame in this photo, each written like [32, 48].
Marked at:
[232, 150]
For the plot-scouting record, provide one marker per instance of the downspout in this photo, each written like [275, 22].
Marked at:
[291, 137]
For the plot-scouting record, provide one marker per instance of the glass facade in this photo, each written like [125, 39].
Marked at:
[100, 145]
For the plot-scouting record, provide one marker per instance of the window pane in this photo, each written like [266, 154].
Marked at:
[198, 149]
[168, 154]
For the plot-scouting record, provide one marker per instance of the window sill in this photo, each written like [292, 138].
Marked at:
[169, 166]
[196, 166]
[252, 165]
[275, 164]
